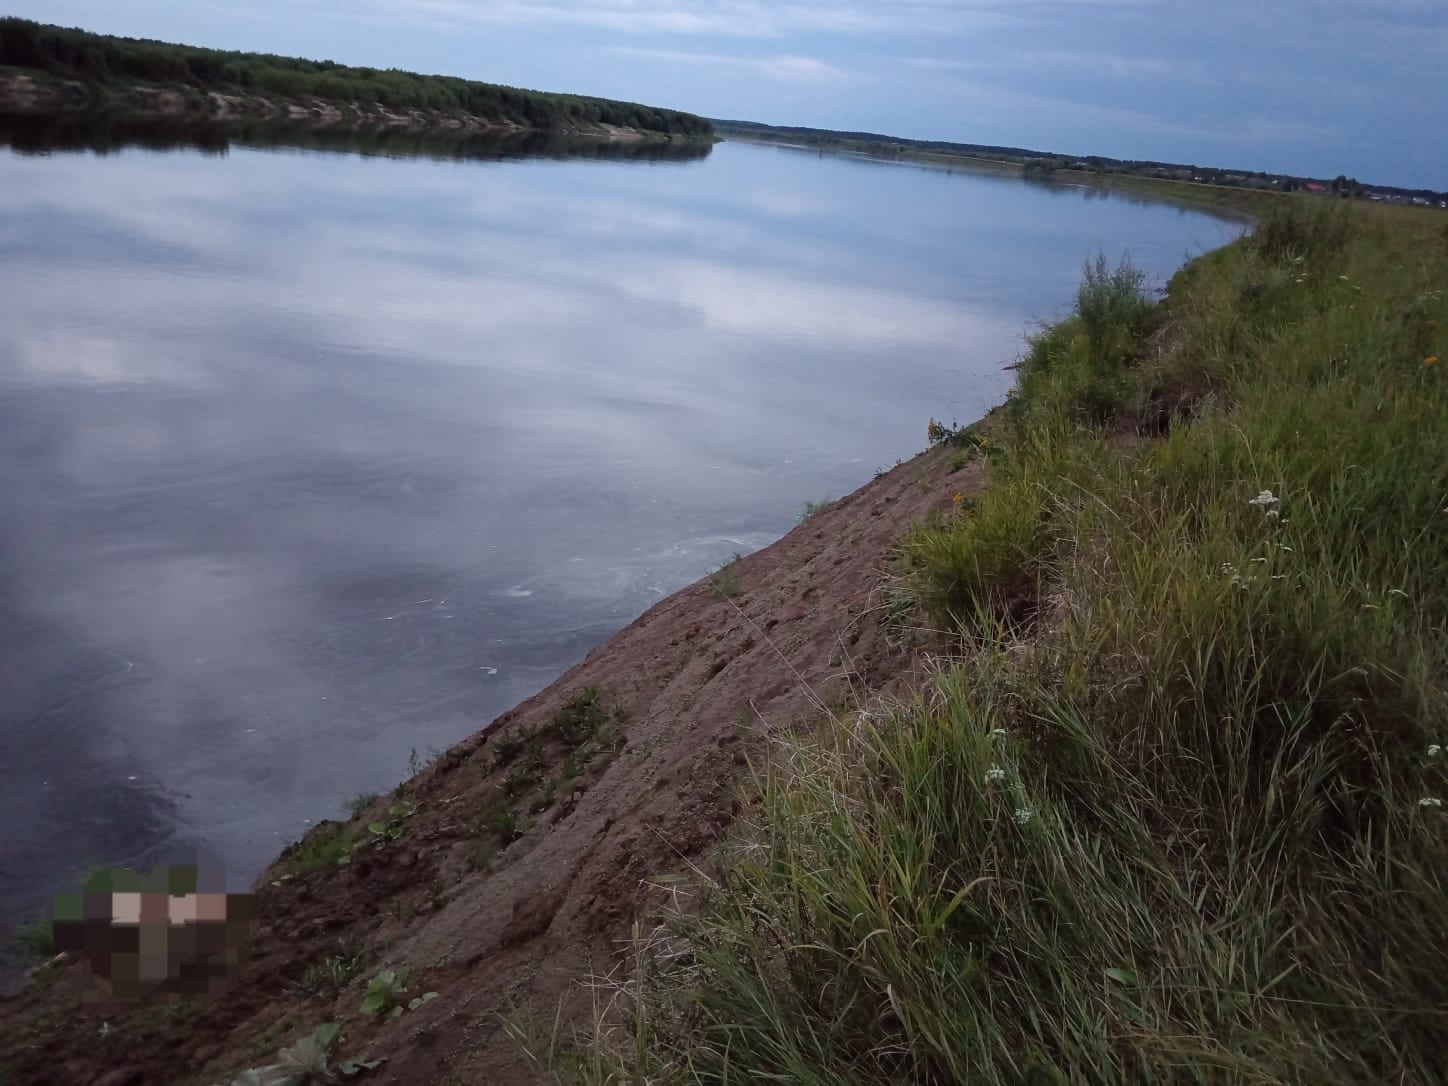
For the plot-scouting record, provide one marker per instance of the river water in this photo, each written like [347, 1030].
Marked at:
[311, 461]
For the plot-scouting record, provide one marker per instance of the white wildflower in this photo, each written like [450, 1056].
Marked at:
[1273, 514]
[1022, 816]
[1265, 499]
[997, 733]
[993, 774]
[1434, 749]
[1430, 801]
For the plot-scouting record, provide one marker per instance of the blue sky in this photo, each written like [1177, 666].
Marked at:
[1320, 87]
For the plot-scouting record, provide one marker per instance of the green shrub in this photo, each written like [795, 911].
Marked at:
[360, 802]
[34, 941]
[332, 974]
[1111, 305]
[581, 716]
[327, 844]
[387, 994]
[987, 559]
[725, 581]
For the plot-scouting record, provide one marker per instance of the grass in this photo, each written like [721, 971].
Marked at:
[1171, 813]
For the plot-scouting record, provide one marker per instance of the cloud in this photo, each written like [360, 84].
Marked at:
[1065, 62]
[784, 68]
[999, 96]
[731, 18]
[939, 64]
[759, 302]
[787, 204]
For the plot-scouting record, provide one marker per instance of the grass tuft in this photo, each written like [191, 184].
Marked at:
[326, 845]
[725, 581]
[33, 941]
[360, 802]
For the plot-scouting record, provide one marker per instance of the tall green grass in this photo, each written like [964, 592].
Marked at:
[1173, 813]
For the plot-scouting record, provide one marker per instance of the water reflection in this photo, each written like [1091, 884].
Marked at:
[105, 133]
[308, 462]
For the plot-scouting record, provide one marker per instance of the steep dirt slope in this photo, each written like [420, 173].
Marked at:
[532, 845]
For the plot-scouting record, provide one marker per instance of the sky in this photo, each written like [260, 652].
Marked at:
[1313, 87]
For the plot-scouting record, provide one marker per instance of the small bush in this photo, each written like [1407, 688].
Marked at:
[500, 820]
[327, 845]
[387, 994]
[1080, 370]
[521, 778]
[360, 802]
[1111, 305]
[580, 717]
[725, 581]
[985, 560]
[34, 941]
[331, 975]
[508, 746]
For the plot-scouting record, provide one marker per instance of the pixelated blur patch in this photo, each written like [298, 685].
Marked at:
[163, 932]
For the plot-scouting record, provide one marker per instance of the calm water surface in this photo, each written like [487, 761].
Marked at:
[310, 461]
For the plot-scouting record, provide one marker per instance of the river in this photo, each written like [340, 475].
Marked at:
[313, 463]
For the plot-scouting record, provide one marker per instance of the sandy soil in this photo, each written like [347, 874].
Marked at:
[17, 91]
[695, 686]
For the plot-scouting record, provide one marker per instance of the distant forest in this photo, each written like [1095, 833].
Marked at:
[1043, 165]
[99, 59]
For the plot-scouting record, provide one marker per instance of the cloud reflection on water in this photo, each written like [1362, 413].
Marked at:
[260, 414]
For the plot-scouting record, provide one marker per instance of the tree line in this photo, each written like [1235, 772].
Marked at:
[100, 59]
[1042, 166]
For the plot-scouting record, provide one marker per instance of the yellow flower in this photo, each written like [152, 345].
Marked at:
[957, 497]
[1431, 360]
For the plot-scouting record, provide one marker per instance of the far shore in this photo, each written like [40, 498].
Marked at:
[27, 92]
